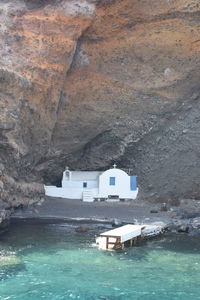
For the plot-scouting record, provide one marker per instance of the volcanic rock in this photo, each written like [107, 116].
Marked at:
[81, 229]
[88, 83]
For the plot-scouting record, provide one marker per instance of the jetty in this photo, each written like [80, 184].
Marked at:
[126, 235]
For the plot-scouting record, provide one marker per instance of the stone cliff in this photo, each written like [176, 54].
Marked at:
[85, 83]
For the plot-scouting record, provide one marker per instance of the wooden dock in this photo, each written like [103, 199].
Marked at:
[126, 235]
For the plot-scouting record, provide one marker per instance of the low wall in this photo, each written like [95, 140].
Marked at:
[68, 193]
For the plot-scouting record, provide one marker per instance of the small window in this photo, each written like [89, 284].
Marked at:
[84, 184]
[112, 180]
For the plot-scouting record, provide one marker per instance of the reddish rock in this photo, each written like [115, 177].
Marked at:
[87, 83]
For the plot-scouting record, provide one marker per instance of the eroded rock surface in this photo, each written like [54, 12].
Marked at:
[86, 83]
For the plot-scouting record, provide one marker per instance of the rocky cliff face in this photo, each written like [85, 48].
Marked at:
[86, 83]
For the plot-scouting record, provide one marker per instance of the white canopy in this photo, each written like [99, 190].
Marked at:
[125, 232]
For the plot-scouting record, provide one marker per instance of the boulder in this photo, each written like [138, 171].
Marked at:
[82, 229]
[183, 228]
[153, 211]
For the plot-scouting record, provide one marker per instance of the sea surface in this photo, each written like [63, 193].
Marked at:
[53, 262]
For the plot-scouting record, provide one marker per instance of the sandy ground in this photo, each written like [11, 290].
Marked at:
[132, 212]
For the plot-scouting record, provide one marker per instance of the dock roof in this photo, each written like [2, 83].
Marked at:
[125, 232]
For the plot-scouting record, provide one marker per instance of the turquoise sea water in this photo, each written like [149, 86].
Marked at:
[53, 262]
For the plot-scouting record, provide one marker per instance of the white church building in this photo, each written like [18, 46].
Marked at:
[89, 186]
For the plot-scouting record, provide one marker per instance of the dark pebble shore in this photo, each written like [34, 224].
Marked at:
[184, 218]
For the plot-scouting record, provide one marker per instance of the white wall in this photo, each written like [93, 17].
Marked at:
[85, 175]
[75, 179]
[68, 193]
[121, 187]
[79, 184]
[80, 176]
[133, 194]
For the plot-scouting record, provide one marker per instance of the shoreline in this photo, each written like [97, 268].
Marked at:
[61, 220]
[66, 209]
[184, 218]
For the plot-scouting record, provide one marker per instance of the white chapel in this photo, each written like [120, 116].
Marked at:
[89, 186]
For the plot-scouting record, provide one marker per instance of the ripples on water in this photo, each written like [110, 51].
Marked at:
[53, 262]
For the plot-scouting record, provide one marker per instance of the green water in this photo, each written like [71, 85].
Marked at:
[53, 262]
